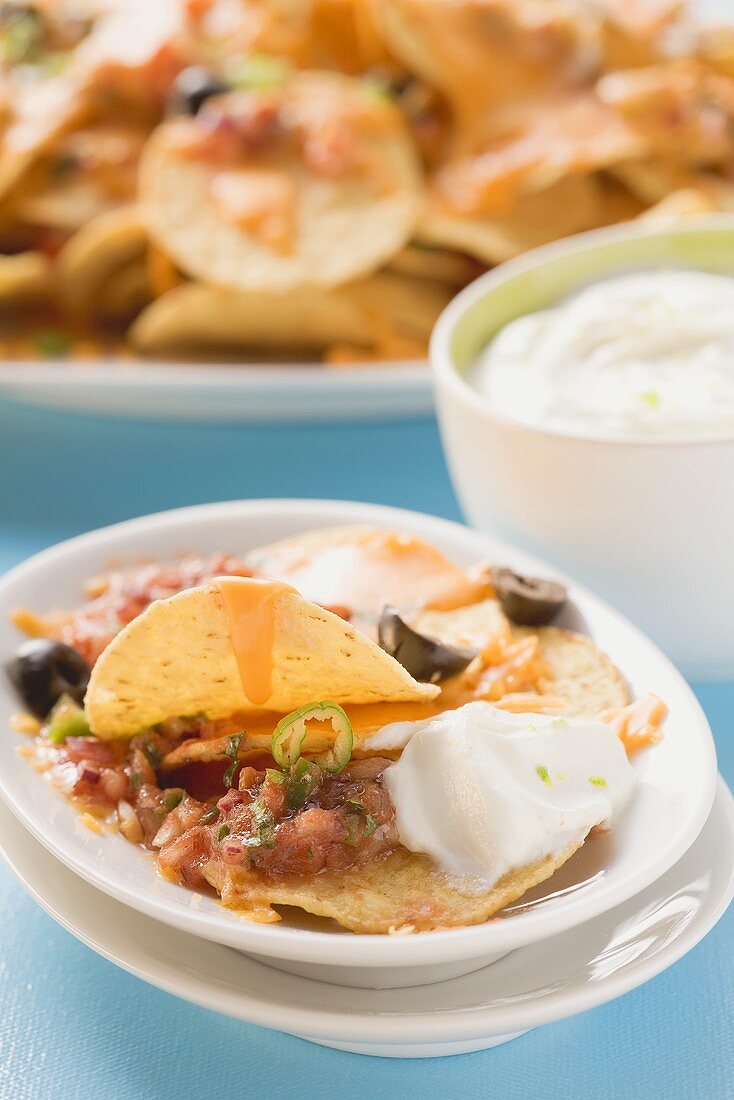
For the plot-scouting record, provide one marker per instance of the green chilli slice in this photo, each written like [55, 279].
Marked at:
[290, 733]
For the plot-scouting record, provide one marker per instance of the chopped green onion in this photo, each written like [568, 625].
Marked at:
[598, 780]
[67, 719]
[353, 830]
[543, 776]
[275, 776]
[358, 805]
[21, 37]
[152, 752]
[52, 344]
[370, 824]
[650, 398]
[302, 780]
[258, 72]
[290, 733]
[53, 64]
[376, 88]
[209, 816]
[223, 832]
[232, 751]
[173, 798]
[265, 826]
[136, 779]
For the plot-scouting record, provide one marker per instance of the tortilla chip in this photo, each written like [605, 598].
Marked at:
[568, 206]
[361, 569]
[24, 277]
[177, 659]
[403, 891]
[418, 261]
[97, 252]
[42, 110]
[396, 305]
[125, 292]
[580, 673]
[345, 225]
[195, 315]
[473, 627]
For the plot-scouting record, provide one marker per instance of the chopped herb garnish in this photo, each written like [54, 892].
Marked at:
[210, 815]
[598, 780]
[650, 398]
[258, 72]
[302, 780]
[173, 798]
[265, 826]
[370, 824]
[542, 773]
[232, 751]
[21, 36]
[152, 752]
[223, 832]
[136, 779]
[376, 88]
[52, 344]
[53, 64]
[358, 805]
[353, 830]
[275, 776]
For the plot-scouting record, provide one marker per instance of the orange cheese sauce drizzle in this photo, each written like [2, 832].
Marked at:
[250, 605]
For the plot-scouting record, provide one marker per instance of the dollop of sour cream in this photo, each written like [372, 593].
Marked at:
[482, 791]
[643, 355]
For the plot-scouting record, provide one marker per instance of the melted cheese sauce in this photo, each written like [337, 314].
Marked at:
[370, 569]
[250, 605]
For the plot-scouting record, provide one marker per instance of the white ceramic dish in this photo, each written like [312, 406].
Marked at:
[673, 798]
[573, 971]
[643, 523]
[216, 392]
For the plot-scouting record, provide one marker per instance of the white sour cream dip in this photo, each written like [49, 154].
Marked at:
[482, 791]
[642, 355]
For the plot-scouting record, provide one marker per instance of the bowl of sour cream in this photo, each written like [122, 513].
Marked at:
[585, 394]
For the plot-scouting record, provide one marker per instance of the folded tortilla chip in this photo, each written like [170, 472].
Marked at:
[98, 252]
[568, 206]
[25, 276]
[403, 891]
[178, 659]
[200, 316]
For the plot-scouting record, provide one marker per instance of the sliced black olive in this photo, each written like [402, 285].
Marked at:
[527, 601]
[192, 87]
[43, 670]
[426, 659]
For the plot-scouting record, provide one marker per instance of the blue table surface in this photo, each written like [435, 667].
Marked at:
[73, 1025]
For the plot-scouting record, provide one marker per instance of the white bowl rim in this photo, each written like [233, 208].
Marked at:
[448, 374]
[313, 946]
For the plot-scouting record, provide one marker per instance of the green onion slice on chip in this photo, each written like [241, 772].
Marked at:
[290, 733]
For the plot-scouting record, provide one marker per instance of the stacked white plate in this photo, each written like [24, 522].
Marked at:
[626, 906]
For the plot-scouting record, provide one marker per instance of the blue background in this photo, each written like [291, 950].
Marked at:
[73, 1026]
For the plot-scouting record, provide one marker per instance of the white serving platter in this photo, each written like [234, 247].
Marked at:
[570, 973]
[206, 392]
